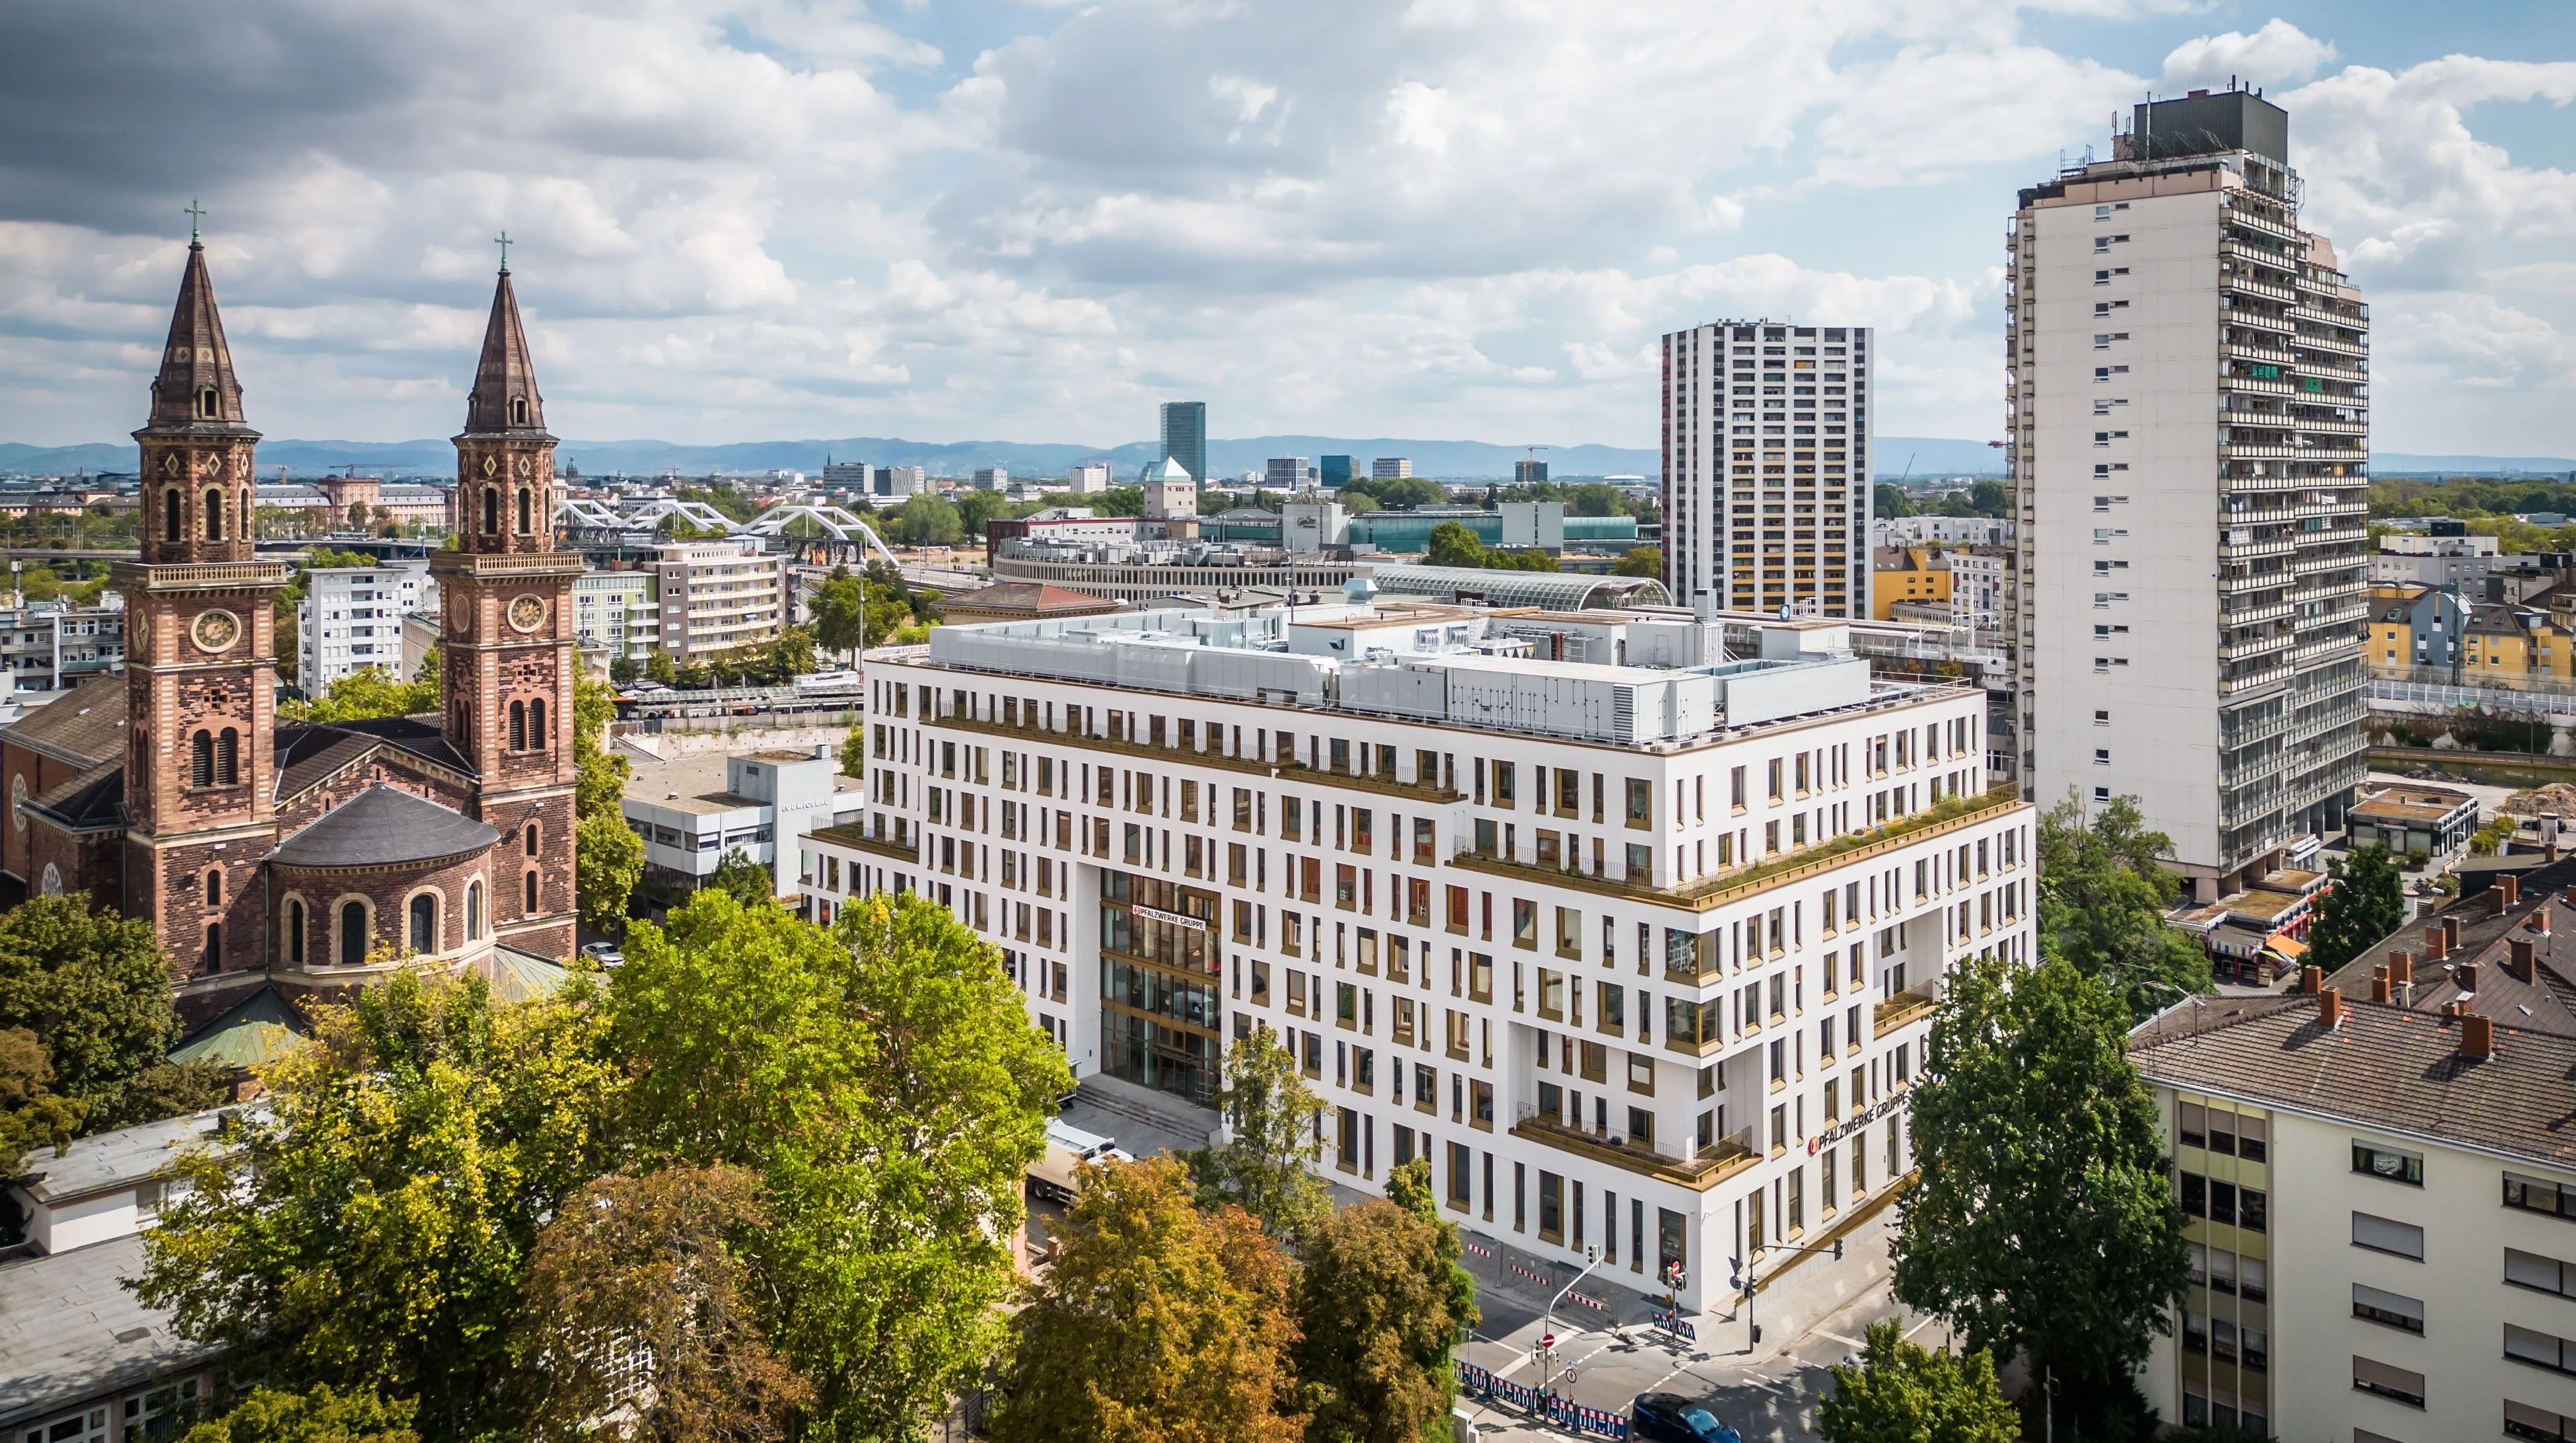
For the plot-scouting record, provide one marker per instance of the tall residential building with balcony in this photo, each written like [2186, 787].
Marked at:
[52, 646]
[1766, 467]
[617, 610]
[2189, 404]
[1638, 946]
[718, 596]
[351, 619]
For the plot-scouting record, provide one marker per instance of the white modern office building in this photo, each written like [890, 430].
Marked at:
[1637, 945]
[1087, 478]
[351, 619]
[1767, 488]
[2189, 402]
[618, 611]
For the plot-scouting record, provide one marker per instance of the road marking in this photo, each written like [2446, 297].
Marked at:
[1839, 1338]
[1919, 1327]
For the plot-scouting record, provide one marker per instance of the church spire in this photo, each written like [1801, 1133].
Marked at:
[504, 398]
[196, 388]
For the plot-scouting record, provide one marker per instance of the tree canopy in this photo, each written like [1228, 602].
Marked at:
[608, 857]
[1451, 544]
[96, 991]
[2102, 903]
[1264, 1166]
[2365, 901]
[1646, 561]
[367, 693]
[1380, 1299]
[2043, 1222]
[1904, 1394]
[926, 519]
[320, 1414]
[1158, 1323]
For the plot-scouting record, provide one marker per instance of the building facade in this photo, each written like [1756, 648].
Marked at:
[2189, 398]
[312, 855]
[716, 596]
[1640, 950]
[351, 619]
[50, 646]
[1287, 473]
[1766, 467]
[1185, 437]
[1390, 468]
[618, 610]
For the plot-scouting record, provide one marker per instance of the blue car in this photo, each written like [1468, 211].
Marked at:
[1672, 1418]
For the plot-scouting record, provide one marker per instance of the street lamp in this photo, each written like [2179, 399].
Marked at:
[1744, 1282]
[1547, 1334]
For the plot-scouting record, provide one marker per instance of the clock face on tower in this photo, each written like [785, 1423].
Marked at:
[216, 631]
[527, 612]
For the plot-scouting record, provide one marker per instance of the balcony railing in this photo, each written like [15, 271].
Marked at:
[1899, 1011]
[1699, 1170]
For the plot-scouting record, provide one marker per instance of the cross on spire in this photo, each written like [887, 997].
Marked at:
[503, 241]
[195, 214]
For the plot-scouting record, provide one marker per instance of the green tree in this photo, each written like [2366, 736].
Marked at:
[1646, 561]
[854, 751]
[320, 1414]
[364, 694]
[1358, 501]
[2043, 1222]
[884, 1081]
[1408, 493]
[840, 612]
[1379, 1301]
[1451, 544]
[2103, 896]
[32, 1114]
[1888, 501]
[656, 1264]
[374, 1228]
[2365, 902]
[623, 670]
[94, 988]
[978, 507]
[791, 655]
[658, 667]
[1158, 1323]
[1904, 1394]
[1273, 1119]
[165, 1089]
[749, 883]
[926, 520]
[608, 857]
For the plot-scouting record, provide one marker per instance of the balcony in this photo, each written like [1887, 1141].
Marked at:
[2247, 616]
[2252, 285]
[2252, 681]
[1705, 1168]
[1248, 766]
[2331, 344]
[2257, 646]
[2239, 350]
[2246, 551]
[2257, 220]
[2260, 581]
[901, 847]
[1900, 1010]
[2285, 263]
[2258, 385]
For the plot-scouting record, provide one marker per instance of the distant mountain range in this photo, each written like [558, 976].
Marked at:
[1920, 456]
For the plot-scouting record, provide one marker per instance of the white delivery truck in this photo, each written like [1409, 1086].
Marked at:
[1067, 1148]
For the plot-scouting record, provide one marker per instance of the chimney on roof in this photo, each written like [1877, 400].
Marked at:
[2450, 934]
[2518, 955]
[2379, 985]
[2477, 1037]
[2512, 889]
[2437, 943]
[2538, 921]
[2312, 980]
[2401, 978]
[2465, 977]
[2330, 1007]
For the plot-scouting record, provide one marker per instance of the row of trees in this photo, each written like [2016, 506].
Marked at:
[1982, 498]
[1452, 544]
[769, 1171]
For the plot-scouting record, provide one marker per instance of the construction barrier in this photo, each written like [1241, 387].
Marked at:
[1588, 1301]
[1667, 1323]
[1563, 1412]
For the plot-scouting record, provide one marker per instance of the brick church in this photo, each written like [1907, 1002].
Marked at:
[299, 855]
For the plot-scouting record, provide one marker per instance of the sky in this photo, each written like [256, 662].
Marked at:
[1031, 221]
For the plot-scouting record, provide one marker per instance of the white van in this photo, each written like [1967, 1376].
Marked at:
[1067, 1148]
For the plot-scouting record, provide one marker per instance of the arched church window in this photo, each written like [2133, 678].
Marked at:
[210, 403]
[518, 410]
[214, 516]
[201, 759]
[172, 529]
[524, 512]
[214, 889]
[491, 511]
[537, 724]
[228, 757]
[424, 923]
[473, 910]
[531, 839]
[353, 933]
[531, 907]
[518, 726]
[214, 946]
[295, 931]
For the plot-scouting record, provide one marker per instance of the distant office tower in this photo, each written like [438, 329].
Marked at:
[1390, 468]
[1088, 478]
[1286, 473]
[1185, 436]
[845, 475]
[1766, 467]
[1528, 473]
[1337, 472]
[900, 481]
[993, 478]
[2189, 452]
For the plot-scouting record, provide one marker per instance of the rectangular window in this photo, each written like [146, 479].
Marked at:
[2387, 1235]
[2395, 1384]
[2377, 1161]
[2539, 1349]
[2538, 1273]
[2390, 1310]
[2539, 1195]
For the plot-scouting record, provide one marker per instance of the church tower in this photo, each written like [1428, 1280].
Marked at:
[201, 658]
[506, 659]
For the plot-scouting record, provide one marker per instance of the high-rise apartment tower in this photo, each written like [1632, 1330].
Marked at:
[2189, 410]
[1766, 467]
[1185, 436]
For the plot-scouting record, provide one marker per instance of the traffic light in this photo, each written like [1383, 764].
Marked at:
[1838, 1250]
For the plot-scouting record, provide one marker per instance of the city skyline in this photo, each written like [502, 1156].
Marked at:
[1022, 259]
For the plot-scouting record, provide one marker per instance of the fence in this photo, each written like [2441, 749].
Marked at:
[1553, 1408]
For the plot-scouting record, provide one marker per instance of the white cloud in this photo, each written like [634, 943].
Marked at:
[2280, 53]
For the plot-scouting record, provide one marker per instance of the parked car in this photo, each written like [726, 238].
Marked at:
[603, 954]
[1672, 1418]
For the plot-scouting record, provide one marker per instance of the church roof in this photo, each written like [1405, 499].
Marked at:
[92, 801]
[84, 726]
[255, 1030]
[504, 372]
[519, 976]
[197, 360]
[381, 826]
